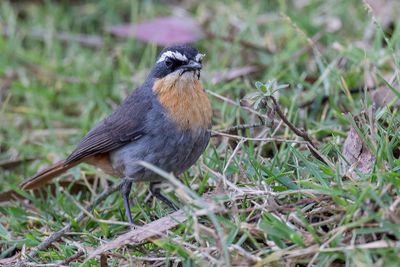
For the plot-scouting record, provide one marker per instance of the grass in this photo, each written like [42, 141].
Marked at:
[277, 204]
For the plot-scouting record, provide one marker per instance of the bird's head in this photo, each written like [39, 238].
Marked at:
[176, 82]
[178, 61]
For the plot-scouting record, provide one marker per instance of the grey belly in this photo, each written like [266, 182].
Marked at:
[169, 149]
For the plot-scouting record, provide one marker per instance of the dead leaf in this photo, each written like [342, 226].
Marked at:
[162, 31]
[231, 74]
[352, 146]
[385, 12]
[384, 96]
[357, 153]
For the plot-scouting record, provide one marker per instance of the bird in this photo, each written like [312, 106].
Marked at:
[166, 122]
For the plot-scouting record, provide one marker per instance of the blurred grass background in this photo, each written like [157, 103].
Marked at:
[52, 91]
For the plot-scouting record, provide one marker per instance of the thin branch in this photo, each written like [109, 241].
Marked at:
[74, 257]
[300, 133]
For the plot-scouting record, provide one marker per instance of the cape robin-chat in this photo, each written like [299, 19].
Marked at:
[165, 122]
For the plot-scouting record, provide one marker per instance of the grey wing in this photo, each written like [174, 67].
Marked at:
[125, 125]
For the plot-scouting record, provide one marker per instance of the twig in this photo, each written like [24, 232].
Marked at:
[103, 261]
[57, 235]
[74, 257]
[300, 133]
[153, 229]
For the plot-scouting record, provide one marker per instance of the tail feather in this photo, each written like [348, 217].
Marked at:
[46, 175]
[38, 180]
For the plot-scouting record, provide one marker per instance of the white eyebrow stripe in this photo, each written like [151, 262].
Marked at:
[199, 57]
[171, 54]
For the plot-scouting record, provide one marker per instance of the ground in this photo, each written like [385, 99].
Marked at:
[261, 194]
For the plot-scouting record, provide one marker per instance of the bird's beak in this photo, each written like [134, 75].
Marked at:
[192, 65]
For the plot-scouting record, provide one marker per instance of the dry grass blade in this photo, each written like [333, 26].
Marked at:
[140, 234]
[234, 73]
[243, 43]
[12, 163]
[234, 128]
[95, 41]
[233, 103]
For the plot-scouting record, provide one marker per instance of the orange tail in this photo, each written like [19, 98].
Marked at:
[46, 175]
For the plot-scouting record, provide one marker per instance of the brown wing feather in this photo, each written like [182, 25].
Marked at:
[123, 126]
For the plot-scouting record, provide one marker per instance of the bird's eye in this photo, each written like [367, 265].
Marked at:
[169, 62]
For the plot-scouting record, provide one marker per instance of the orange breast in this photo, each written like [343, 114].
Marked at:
[185, 100]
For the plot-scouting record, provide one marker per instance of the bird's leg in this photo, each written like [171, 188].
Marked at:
[125, 190]
[156, 192]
